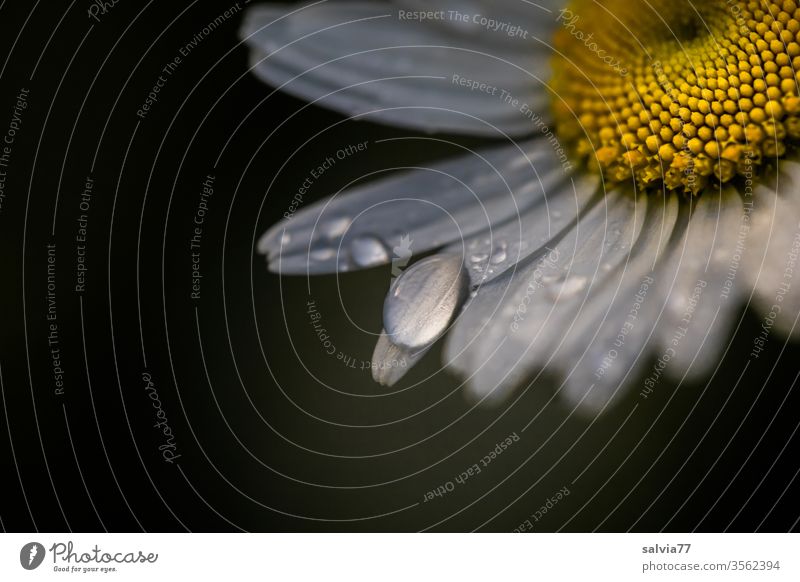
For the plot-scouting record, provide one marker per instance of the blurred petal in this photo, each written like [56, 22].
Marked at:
[700, 300]
[427, 208]
[771, 261]
[492, 252]
[514, 323]
[391, 362]
[359, 57]
[606, 346]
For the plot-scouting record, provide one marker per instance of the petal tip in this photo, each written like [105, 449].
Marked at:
[390, 362]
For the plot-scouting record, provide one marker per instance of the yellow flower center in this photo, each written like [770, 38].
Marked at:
[678, 92]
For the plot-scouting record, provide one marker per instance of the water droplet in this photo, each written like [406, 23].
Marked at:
[677, 303]
[573, 285]
[323, 254]
[499, 254]
[479, 258]
[423, 301]
[368, 251]
[565, 287]
[336, 227]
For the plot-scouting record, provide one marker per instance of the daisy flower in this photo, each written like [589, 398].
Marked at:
[643, 192]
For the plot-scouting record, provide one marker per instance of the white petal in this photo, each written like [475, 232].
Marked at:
[605, 347]
[771, 263]
[700, 290]
[415, 212]
[493, 251]
[358, 57]
[391, 362]
[513, 325]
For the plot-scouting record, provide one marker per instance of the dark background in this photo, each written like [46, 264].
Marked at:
[264, 443]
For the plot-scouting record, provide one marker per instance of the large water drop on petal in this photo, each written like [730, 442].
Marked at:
[424, 299]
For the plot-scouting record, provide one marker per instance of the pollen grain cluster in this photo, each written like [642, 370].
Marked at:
[678, 92]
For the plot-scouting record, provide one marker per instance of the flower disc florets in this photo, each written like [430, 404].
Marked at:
[678, 92]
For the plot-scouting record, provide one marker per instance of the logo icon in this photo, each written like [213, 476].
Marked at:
[31, 555]
[402, 256]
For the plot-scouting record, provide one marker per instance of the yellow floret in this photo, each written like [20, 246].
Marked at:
[675, 92]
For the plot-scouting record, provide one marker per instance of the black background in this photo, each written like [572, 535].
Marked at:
[264, 445]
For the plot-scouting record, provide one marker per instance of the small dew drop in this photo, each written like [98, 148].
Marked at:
[322, 254]
[336, 227]
[566, 287]
[677, 304]
[368, 251]
[500, 254]
[478, 258]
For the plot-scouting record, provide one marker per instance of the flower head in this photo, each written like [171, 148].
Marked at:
[575, 250]
[698, 92]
